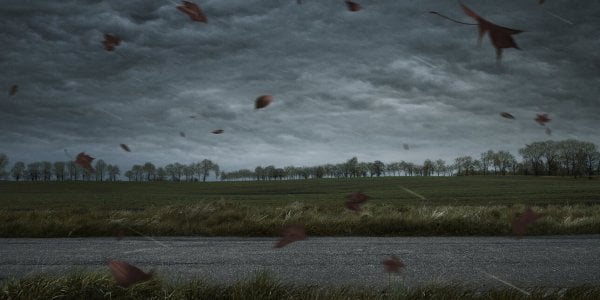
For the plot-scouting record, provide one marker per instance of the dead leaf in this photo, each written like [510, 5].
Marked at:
[520, 224]
[290, 234]
[218, 131]
[13, 90]
[125, 147]
[405, 146]
[353, 6]
[501, 36]
[127, 275]
[507, 115]
[542, 119]
[182, 134]
[85, 161]
[110, 42]
[354, 200]
[263, 101]
[393, 264]
[193, 10]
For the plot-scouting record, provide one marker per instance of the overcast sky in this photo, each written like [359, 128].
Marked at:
[344, 83]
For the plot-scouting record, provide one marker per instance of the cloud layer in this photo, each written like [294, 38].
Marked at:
[344, 83]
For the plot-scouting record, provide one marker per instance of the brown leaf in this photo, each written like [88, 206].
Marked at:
[218, 131]
[290, 234]
[542, 119]
[501, 36]
[507, 115]
[520, 224]
[355, 200]
[85, 161]
[110, 42]
[263, 101]
[193, 10]
[125, 147]
[127, 275]
[13, 90]
[393, 264]
[353, 6]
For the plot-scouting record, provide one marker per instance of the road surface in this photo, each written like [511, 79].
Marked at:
[482, 262]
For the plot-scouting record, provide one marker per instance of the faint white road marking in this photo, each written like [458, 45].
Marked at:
[140, 250]
[413, 193]
[560, 18]
[149, 237]
[506, 282]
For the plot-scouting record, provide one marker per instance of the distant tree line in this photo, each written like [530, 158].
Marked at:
[552, 158]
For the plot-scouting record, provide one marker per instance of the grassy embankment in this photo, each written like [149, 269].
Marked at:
[452, 206]
[261, 286]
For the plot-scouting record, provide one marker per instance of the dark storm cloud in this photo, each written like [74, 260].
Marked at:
[344, 83]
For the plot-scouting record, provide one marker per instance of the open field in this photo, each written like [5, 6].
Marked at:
[451, 206]
[260, 286]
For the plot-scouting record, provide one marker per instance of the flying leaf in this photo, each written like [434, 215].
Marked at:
[127, 275]
[519, 225]
[501, 36]
[182, 134]
[353, 6]
[548, 131]
[125, 147]
[354, 200]
[218, 131]
[542, 119]
[290, 234]
[393, 264]
[193, 10]
[110, 42]
[13, 90]
[405, 146]
[263, 101]
[85, 161]
[507, 115]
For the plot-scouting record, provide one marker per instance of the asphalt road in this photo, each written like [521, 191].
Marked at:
[483, 262]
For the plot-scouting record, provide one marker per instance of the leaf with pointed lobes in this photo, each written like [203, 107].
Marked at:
[13, 90]
[193, 10]
[542, 119]
[519, 225]
[125, 147]
[290, 234]
[507, 115]
[263, 101]
[110, 42]
[501, 36]
[85, 161]
[393, 264]
[548, 131]
[353, 6]
[218, 131]
[126, 274]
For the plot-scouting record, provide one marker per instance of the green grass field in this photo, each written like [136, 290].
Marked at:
[451, 206]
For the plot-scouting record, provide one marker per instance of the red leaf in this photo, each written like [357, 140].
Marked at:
[218, 131]
[520, 224]
[542, 119]
[501, 36]
[13, 90]
[110, 42]
[507, 115]
[125, 147]
[290, 234]
[393, 264]
[127, 275]
[355, 200]
[193, 10]
[263, 101]
[353, 6]
[85, 161]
